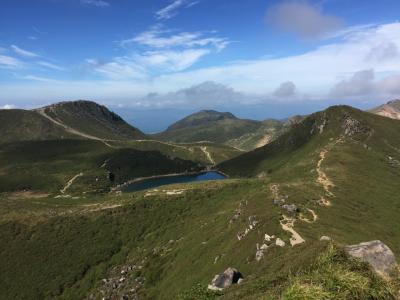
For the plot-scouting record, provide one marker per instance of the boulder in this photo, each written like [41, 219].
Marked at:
[221, 281]
[376, 254]
[292, 208]
[325, 238]
[280, 243]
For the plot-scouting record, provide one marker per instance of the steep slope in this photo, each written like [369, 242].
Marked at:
[89, 120]
[23, 125]
[221, 127]
[390, 110]
[315, 131]
[50, 166]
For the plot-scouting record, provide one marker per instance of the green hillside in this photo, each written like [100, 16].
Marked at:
[339, 168]
[223, 128]
[23, 125]
[90, 119]
[47, 166]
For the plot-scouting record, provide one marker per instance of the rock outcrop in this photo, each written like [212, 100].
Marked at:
[376, 254]
[224, 280]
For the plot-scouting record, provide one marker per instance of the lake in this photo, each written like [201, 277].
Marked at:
[160, 181]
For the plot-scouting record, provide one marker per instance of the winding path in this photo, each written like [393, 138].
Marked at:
[322, 177]
[72, 130]
[287, 224]
[209, 157]
[70, 182]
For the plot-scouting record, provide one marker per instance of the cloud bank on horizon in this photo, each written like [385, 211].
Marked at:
[305, 51]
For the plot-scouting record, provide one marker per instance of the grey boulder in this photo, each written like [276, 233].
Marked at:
[221, 281]
[376, 254]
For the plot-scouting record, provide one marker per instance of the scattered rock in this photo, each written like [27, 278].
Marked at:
[259, 255]
[262, 175]
[268, 238]
[352, 126]
[325, 238]
[292, 208]
[376, 254]
[279, 202]
[280, 243]
[224, 280]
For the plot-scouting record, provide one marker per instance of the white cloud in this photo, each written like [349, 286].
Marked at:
[50, 66]
[205, 94]
[384, 51]
[23, 52]
[285, 90]
[140, 66]
[97, 3]
[7, 106]
[119, 68]
[171, 61]
[163, 39]
[302, 18]
[171, 10]
[365, 84]
[9, 62]
[314, 73]
[164, 52]
[38, 78]
[361, 83]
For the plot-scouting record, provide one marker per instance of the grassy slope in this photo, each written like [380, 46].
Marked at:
[91, 243]
[48, 165]
[23, 125]
[217, 131]
[222, 128]
[93, 119]
[87, 245]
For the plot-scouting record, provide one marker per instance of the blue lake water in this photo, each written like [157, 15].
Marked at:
[160, 181]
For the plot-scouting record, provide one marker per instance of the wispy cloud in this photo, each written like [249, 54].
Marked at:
[22, 52]
[314, 74]
[97, 3]
[166, 39]
[39, 78]
[161, 51]
[119, 68]
[172, 9]
[9, 62]
[140, 66]
[50, 66]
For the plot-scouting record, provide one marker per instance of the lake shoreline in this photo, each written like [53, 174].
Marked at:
[119, 187]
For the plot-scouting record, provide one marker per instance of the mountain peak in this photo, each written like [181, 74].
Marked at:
[391, 109]
[90, 119]
[200, 118]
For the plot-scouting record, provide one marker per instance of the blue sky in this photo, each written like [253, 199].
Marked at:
[247, 56]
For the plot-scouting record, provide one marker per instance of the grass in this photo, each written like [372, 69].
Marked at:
[182, 241]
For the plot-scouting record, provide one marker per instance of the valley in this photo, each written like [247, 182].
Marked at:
[282, 218]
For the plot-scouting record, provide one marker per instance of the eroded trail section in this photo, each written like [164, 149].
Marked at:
[72, 130]
[314, 215]
[322, 177]
[208, 155]
[287, 224]
[70, 182]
